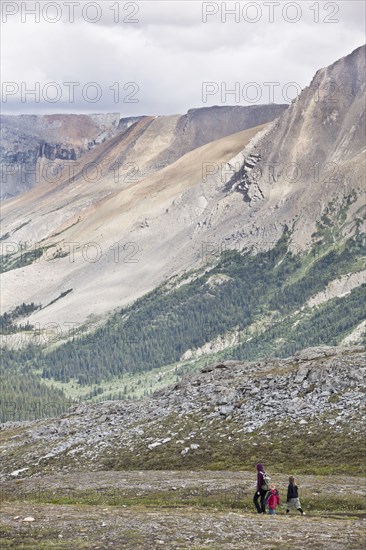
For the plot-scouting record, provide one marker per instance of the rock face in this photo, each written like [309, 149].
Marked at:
[317, 386]
[201, 126]
[27, 139]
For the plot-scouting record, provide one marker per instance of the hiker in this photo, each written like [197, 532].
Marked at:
[262, 489]
[273, 499]
[293, 500]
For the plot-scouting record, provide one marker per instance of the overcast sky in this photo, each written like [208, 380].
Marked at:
[158, 55]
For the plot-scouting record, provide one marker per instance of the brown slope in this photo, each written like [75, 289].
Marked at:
[104, 156]
[136, 201]
[64, 139]
[146, 147]
[101, 286]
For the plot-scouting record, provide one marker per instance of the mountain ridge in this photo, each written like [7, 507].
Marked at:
[27, 139]
[210, 210]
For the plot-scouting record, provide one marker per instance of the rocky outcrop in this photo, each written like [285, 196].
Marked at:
[312, 382]
[127, 122]
[316, 386]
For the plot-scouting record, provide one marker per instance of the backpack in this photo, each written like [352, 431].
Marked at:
[266, 481]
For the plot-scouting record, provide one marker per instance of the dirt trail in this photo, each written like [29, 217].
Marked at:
[172, 510]
[147, 482]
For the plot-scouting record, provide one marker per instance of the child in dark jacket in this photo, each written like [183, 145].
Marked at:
[273, 499]
[293, 500]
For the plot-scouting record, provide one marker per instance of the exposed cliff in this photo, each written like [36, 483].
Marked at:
[27, 139]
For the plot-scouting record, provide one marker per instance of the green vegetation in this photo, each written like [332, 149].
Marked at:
[199, 497]
[115, 361]
[23, 394]
[21, 226]
[4, 237]
[62, 295]
[160, 327]
[7, 235]
[7, 325]
[22, 257]
[325, 326]
[315, 448]
[260, 299]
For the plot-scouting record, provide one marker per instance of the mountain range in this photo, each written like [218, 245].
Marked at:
[158, 242]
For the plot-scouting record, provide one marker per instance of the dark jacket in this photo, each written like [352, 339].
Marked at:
[292, 492]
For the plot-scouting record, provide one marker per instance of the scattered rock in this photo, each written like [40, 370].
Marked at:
[326, 383]
[17, 472]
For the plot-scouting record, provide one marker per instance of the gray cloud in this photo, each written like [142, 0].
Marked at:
[170, 53]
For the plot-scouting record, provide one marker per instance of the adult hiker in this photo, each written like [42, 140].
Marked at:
[262, 489]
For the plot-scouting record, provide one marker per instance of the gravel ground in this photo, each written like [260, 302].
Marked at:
[83, 526]
[145, 482]
[95, 527]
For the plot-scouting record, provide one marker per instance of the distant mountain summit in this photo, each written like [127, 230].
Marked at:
[315, 152]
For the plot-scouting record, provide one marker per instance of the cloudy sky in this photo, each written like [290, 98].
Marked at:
[164, 57]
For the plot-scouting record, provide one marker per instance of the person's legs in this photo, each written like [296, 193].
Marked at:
[271, 511]
[256, 504]
[301, 511]
[263, 501]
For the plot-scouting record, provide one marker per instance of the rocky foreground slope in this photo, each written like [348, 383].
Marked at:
[305, 410]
